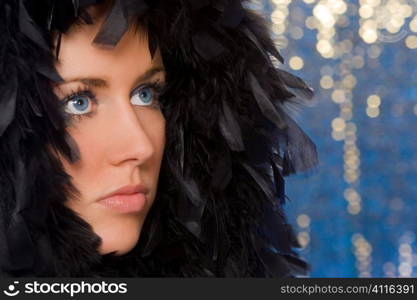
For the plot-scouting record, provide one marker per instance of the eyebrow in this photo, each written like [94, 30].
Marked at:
[99, 82]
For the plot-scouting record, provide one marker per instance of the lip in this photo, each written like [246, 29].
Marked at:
[127, 199]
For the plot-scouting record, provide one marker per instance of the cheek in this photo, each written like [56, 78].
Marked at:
[95, 172]
[153, 125]
[91, 153]
[95, 143]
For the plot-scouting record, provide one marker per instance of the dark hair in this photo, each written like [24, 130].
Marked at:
[230, 142]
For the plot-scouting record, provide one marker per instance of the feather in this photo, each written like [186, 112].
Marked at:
[51, 15]
[20, 241]
[49, 71]
[296, 85]
[180, 145]
[76, 5]
[207, 219]
[222, 173]
[84, 3]
[262, 184]
[278, 178]
[230, 129]
[300, 153]
[115, 25]
[52, 113]
[136, 7]
[152, 41]
[255, 41]
[265, 105]
[28, 28]
[7, 103]
[193, 192]
[207, 46]
[198, 4]
[232, 15]
[58, 46]
[74, 151]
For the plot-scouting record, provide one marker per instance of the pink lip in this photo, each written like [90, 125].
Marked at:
[128, 199]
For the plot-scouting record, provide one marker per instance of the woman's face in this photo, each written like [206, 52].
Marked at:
[112, 98]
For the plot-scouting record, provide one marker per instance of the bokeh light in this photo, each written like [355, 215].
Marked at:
[354, 217]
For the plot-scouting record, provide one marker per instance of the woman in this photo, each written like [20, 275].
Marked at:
[145, 138]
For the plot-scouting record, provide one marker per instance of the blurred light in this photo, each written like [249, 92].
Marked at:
[405, 250]
[324, 46]
[366, 11]
[358, 62]
[354, 208]
[370, 24]
[350, 194]
[374, 101]
[374, 51]
[303, 238]
[326, 82]
[311, 22]
[296, 32]
[343, 21]
[296, 63]
[278, 28]
[405, 269]
[324, 15]
[338, 96]
[349, 81]
[362, 251]
[303, 220]
[369, 35]
[326, 70]
[338, 135]
[373, 3]
[413, 24]
[411, 42]
[405, 255]
[337, 25]
[408, 237]
[347, 46]
[338, 124]
[338, 6]
[406, 11]
[389, 269]
[297, 14]
[346, 114]
[278, 16]
[372, 112]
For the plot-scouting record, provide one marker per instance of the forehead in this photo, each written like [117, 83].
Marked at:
[80, 57]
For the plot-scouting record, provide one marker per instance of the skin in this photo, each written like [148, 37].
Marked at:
[121, 143]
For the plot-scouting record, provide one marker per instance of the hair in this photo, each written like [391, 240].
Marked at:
[229, 143]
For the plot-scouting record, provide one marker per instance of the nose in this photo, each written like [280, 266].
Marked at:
[129, 140]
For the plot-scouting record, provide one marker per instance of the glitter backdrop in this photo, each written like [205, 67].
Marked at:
[355, 216]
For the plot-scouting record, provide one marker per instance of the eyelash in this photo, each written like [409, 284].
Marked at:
[156, 86]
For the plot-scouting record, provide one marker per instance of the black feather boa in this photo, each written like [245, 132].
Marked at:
[230, 142]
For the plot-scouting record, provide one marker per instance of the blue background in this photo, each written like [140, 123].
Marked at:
[355, 215]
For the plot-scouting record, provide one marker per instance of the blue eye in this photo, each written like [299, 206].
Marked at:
[142, 96]
[78, 105]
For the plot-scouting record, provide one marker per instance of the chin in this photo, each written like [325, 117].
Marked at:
[119, 237]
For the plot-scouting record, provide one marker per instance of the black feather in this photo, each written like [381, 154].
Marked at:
[218, 210]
